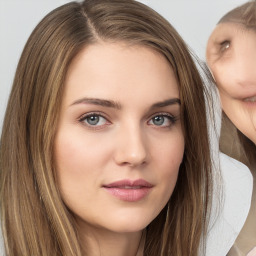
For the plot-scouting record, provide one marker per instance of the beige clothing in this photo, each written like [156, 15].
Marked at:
[246, 239]
[231, 145]
[230, 208]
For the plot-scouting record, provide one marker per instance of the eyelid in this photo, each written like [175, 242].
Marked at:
[172, 118]
[93, 113]
[161, 113]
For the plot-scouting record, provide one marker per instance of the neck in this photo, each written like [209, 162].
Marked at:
[102, 242]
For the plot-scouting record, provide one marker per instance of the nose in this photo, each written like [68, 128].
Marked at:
[245, 70]
[131, 147]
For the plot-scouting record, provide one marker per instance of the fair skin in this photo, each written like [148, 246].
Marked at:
[231, 56]
[119, 122]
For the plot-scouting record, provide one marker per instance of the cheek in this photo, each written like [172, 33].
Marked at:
[169, 157]
[71, 157]
[225, 79]
[226, 102]
[244, 120]
[77, 168]
[70, 160]
[77, 161]
[171, 152]
[80, 149]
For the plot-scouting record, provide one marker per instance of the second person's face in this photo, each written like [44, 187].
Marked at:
[119, 143]
[231, 56]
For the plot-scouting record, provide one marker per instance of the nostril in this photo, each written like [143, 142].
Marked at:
[133, 164]
[131, 155]
[131, 160]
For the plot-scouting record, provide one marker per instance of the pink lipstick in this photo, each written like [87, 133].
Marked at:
[128, 190]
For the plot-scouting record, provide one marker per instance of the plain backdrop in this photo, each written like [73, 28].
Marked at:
[193, 19]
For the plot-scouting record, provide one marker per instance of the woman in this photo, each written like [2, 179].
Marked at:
[104, 148]
[231, 55]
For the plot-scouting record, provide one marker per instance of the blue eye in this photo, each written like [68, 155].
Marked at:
[162, 120]
[158, 120]
[94, 120]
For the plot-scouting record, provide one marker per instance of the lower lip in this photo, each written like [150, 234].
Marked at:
[129, 195]
[250, 103]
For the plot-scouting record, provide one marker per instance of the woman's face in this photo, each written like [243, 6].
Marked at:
[119, 142]
[231, 56]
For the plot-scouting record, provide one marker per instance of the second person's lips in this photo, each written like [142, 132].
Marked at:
[250, 99]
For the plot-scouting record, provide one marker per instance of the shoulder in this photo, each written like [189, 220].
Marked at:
[231, 204]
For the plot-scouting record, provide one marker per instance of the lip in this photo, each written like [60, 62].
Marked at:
[128, 190]
[250, 99]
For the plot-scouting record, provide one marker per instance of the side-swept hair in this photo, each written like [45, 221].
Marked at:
[35, 220]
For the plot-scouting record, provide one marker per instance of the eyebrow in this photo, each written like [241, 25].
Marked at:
[116, 105]
[99, 102]
[166, 103]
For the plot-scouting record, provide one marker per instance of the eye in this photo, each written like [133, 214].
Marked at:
[94, 120]
[162, 120]
[225, 45]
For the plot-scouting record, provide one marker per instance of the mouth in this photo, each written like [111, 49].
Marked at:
[250, 99]
[130, 191]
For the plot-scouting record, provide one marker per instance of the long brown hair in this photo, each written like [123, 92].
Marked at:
[232, 141]
[35, 220]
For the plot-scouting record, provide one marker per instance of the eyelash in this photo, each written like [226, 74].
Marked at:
[172, 119]
[85, 117]
[84, 120]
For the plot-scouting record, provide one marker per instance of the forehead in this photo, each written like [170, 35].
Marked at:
[225, 31]
[235, 33]
[115, 70]
[115, 52]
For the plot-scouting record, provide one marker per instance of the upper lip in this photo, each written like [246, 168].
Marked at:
[129, 184]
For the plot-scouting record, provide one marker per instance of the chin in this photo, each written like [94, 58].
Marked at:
[130, 226]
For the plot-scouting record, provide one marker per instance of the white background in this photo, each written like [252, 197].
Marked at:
[194, 20]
